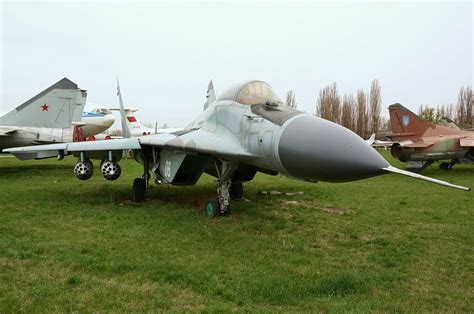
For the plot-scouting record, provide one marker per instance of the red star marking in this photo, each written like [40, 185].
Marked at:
[44, 107]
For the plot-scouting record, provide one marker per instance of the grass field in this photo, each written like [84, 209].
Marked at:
[385, 244]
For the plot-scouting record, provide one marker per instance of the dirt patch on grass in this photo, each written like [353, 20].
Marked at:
[336, 210]
[310, 205]
[304, 204]
[282, 214]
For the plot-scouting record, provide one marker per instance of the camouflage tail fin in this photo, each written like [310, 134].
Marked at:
[403, 120]
[56, 107]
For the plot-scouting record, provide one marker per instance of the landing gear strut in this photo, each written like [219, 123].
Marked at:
[221, 206]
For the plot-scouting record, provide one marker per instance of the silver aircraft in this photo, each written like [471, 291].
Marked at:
[46, 118]
[245, 130]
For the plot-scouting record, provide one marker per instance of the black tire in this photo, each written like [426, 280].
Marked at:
[139, 189]
[445, 166]
[212, 209]
[236, 191]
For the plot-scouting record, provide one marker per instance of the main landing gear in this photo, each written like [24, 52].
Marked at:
[447, 165]
[226, 190]
[140, 185]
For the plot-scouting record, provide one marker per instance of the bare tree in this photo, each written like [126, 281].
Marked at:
[348, 112]
[375, 106]
[329, 104]
[291, 99]
[361, 113]
[464, 107]
[449, 112]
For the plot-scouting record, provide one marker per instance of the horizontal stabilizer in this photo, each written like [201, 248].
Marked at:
[421, 177]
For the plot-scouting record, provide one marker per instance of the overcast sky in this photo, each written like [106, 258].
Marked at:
[165, 53]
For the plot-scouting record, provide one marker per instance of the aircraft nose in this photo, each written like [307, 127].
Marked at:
[312, 148]
[109, 119]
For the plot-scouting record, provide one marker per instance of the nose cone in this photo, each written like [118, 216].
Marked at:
[109, 119]
[316, 149]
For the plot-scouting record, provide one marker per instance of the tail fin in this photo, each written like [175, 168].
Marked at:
[125, 129]
[371, 139]
[402, 120]
[56, 107]
[211, 95]
[134, 125]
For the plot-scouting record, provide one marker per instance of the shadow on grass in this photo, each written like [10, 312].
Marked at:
[26, 170]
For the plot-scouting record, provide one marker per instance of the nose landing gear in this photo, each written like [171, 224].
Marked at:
[221, 206]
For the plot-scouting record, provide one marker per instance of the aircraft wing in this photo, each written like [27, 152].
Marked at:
[5, 131]
[467, 142]
[52, 150]
[195, 141]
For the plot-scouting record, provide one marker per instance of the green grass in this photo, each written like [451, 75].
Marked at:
[385, 244]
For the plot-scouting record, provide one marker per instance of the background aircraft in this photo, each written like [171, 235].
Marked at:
[137, 128]
[247, 129]
[95, 122]
[419, 143]
[378, 143]
[45, 118]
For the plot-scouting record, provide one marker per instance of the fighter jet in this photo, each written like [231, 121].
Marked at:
[46, 118]
[419, 143]
[246, 130]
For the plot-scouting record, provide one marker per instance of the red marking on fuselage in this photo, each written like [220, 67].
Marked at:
[44, 107]
[131, 119]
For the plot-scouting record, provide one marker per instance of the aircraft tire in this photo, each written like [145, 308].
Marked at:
[236, 191]
[212, 209]
[139, 188]
[445, 166]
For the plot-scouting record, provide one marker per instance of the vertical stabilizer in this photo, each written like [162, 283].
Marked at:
[56, 107]
[125, 129]
[211, 95]
[403, 120]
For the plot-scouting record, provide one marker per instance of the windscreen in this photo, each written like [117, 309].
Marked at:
[250, 93]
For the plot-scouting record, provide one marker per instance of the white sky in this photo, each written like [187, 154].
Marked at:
[166, 52]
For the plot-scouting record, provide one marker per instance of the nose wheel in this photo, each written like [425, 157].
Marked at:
[212, 209]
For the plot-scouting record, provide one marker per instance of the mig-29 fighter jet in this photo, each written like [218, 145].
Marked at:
[419, 143]
[245, 130]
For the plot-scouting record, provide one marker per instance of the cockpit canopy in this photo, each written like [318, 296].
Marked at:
[250, 93]
[101, 111]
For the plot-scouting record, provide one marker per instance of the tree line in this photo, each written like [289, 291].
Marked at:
[461, 112]
[359, 113]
